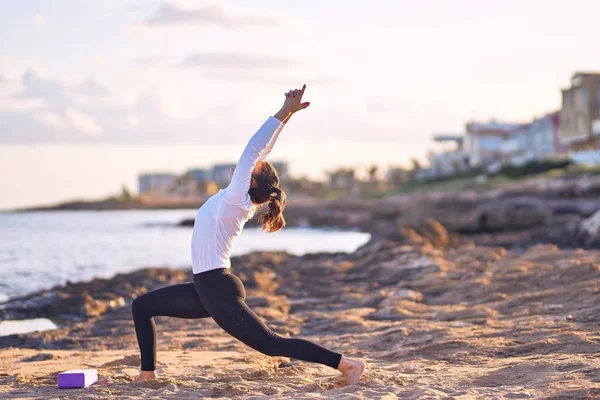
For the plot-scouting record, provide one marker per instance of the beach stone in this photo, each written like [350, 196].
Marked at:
[504, 215]
[431, 233]
[393, 297]
[588, 232]
[40, 357]
[390, 314]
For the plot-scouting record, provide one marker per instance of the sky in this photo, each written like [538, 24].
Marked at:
[93, 92]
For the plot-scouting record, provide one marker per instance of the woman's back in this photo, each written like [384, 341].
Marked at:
[218, 223]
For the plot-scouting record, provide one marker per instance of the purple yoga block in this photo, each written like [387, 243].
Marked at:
[77, 378]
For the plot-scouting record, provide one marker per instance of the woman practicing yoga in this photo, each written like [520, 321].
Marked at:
[216, 292]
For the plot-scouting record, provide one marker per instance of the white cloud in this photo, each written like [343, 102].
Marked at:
[108, 5]
[237, 60]
[13, 66]
[35, 87]
[10, 99]
[8, 103]
[51, 119]
[35, 109]
[39, 20]
[283, 80]
[133, 121]
[90, 87]
[257, 68]
[85, 123]
[213, 13]
[148, 61]
[185, 107]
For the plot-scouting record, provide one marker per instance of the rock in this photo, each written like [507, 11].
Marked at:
[504, 215]
[438, 235]
[393, 297]
[77, 301]
[390, 314]
[432, 234]
[40, 357]
[588, 231]
[186, 222]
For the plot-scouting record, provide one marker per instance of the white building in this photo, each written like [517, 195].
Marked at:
[487, 143]
[537, 140]
[496, 144]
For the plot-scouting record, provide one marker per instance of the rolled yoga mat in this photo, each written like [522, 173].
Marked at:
[77, 378]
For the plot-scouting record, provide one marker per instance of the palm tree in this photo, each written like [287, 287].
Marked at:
[373, 169]
[416, 167]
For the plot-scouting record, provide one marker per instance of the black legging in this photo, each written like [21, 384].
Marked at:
[218, 294]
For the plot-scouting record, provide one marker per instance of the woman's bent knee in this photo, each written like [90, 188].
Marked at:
[137, 305]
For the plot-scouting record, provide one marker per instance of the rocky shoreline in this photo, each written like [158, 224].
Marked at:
[462, 295]
[523, 214]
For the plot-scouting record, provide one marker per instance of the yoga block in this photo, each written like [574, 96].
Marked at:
[77, 378]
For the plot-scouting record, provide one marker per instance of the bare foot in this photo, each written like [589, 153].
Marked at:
[352, 370]
[146, 376]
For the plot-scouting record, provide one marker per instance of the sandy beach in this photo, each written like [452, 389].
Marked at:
[434, 314]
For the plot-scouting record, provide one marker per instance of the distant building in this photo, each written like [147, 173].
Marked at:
[159, 183]
[221, 174]
[448, 161]
[486, 143]
[517, 148]
[580, 113]
[199, 174]
[538, 140]
[342, 179]
[457, 139]
[496, 144]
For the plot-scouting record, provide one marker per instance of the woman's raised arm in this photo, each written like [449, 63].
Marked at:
[260, 146]
[296, 96]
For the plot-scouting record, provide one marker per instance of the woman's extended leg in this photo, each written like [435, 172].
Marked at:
[179, 301]
[223, 295]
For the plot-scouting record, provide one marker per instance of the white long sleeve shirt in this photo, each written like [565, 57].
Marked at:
[221, 219]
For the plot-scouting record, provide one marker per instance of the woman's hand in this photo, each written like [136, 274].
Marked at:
[292, 104]
[293, 100]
